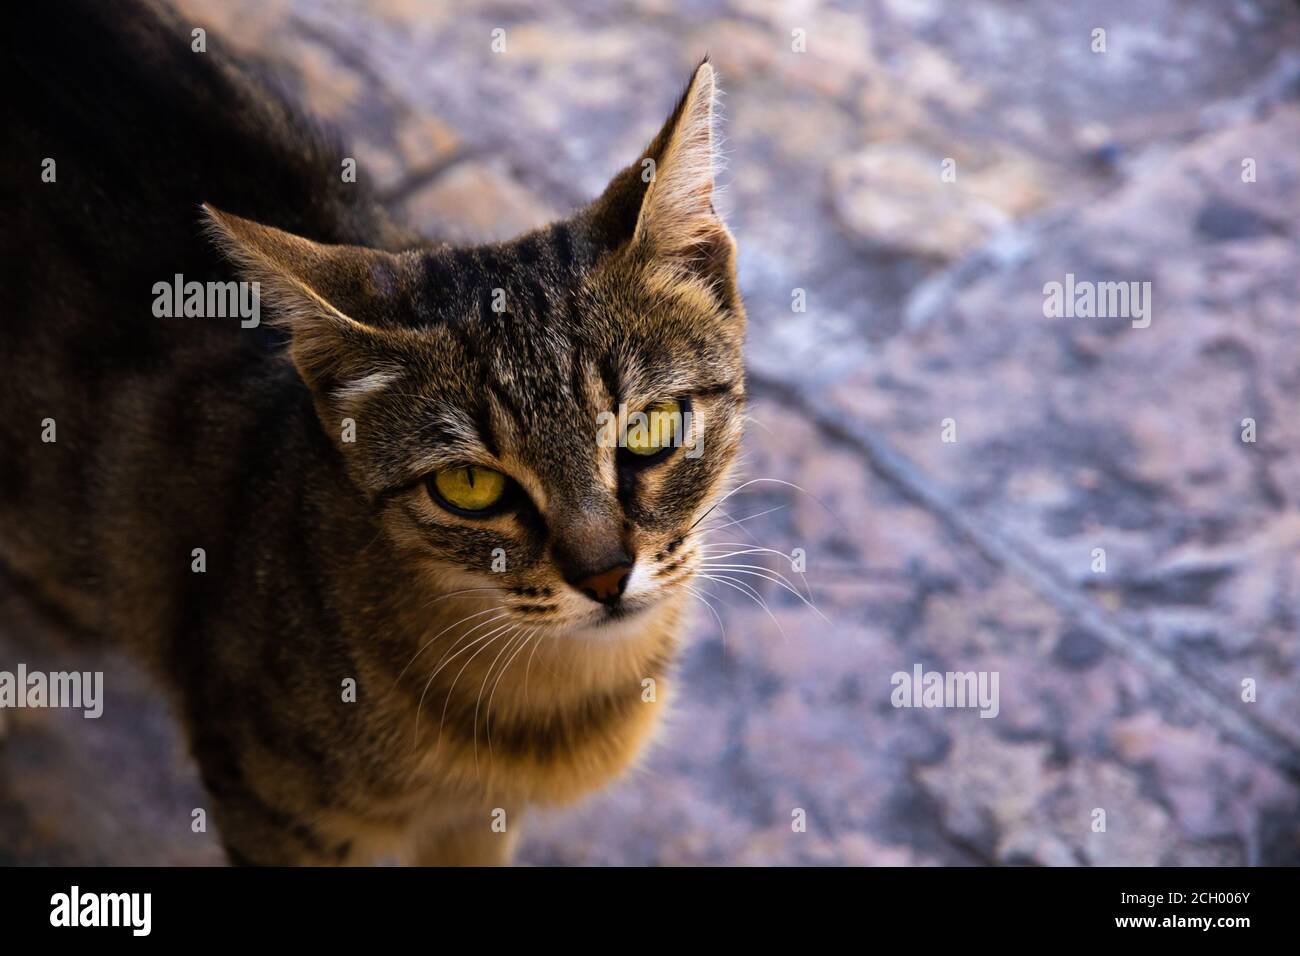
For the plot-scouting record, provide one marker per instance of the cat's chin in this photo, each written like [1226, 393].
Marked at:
[645, 616]
[622, 627]
[621, 612]
[625, 622]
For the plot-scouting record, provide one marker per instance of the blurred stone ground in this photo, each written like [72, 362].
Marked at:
[1121, 689]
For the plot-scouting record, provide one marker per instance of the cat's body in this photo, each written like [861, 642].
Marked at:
[202, 504]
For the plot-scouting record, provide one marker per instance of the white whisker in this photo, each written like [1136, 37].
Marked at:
[487, 720]
[690, 589]
[767, 574]
[441, 664]
[469, 617]
[495, 636]
[482, 687]
[739, 521]
[748, 591]
[754, 481]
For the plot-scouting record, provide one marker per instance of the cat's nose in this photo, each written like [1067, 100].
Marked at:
[607, 586]
[590, 549]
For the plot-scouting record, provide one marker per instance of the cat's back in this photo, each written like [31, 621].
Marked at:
[117, 128]
[119, 124]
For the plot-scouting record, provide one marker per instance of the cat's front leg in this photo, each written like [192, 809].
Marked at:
[486, 838]
[282, 841]
[254, 832]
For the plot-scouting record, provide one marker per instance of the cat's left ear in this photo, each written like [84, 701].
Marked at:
[316, 291]
[664, 202]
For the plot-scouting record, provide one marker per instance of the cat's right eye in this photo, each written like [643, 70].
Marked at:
[468, 489]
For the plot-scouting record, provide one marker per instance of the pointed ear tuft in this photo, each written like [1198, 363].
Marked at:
[665, 202]
[311, 289]
[678, 204]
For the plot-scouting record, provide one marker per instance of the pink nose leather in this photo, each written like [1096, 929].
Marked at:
[606, 587]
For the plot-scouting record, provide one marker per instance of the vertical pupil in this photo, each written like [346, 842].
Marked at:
[469, 476]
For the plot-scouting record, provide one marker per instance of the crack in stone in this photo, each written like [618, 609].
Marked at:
[1248, 732]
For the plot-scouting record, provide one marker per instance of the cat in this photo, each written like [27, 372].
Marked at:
[396, 588]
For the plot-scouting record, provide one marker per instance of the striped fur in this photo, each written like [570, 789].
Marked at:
[478, 689]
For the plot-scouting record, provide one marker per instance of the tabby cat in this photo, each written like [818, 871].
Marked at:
[373, 545]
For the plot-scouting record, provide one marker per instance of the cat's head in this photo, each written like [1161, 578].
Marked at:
[550, 416]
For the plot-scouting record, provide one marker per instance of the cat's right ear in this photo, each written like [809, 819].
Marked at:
[664, 203]
[314, 290]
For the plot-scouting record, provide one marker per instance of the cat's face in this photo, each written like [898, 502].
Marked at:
[497, 448]
[549, 419]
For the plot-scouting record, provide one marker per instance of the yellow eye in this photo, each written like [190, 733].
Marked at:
[655, 429]
[470, 487]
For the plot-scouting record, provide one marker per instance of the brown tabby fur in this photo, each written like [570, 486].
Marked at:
[326, 559]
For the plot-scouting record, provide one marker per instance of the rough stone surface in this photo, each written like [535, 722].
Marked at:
[1120, 688]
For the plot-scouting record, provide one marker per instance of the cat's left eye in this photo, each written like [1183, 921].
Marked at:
[654, 430]
[468, 489]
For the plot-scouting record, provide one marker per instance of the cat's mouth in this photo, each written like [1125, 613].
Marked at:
[617, 623]
[621, 612]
